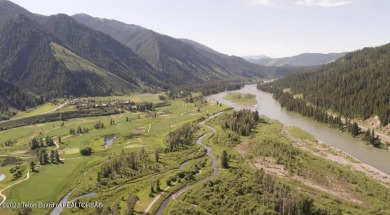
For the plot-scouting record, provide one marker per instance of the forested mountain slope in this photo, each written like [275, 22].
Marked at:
[11, 95]
[168, 55]
[181, 57]
[356, 85]
[238, 65]
[29, 61]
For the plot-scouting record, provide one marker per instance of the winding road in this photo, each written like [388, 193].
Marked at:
[213, 165]
[1, 191]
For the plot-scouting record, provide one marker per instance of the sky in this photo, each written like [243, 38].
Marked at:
[276, 28]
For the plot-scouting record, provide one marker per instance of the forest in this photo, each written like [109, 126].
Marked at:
[299, 105]
[355, 86]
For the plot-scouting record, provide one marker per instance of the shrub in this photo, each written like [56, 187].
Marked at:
[86, 151]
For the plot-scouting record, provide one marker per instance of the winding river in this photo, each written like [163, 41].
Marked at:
[213, 165]
[271, 108]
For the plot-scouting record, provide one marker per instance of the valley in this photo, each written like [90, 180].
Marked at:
[176, 173]
[100, 116]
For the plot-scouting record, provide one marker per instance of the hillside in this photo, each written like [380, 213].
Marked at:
[30, 62]
[168, 55]
[356, 85]
[182, 57]
[55, 56]
[238, 65]
[306, 59]
[13, 96]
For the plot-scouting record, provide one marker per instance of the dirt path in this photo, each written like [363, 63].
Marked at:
[1, 191]
[57, 146]
[150, 126]
[155, 200]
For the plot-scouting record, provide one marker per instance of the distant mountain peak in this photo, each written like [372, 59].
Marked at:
[255, 57]
[304, 59]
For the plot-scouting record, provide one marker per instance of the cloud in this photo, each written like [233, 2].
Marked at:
[322, 3]
[263, 2]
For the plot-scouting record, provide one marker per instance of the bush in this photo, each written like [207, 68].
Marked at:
[86, 151]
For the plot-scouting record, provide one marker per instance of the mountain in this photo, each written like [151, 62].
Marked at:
[182, 57]
[238, 65]
[306, 59]
[255, 57]
[356, 85]
[172, 57]
[56, 56]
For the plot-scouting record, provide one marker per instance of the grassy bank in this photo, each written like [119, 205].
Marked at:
[241, 98]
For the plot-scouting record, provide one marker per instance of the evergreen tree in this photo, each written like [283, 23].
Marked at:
[158, 188]
[224, 160]
[52, 156]
[355, 129]
[57, 156]
[156, 155]
[32, 166]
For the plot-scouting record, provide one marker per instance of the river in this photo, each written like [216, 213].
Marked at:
[213, 165]
[271, 108]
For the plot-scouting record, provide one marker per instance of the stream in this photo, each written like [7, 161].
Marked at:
[213, 165]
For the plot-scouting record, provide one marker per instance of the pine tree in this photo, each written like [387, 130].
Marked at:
[224, 160]
[158, 189]
[355, 129]
[52, 156]
[32, 166]
[156, 155]
[57, 156]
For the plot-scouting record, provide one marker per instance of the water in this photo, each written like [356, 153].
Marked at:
[213, 165]
[109, 140]
[271, 108]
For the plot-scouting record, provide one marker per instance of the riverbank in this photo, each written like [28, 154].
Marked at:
[331, 153]
[269, 107]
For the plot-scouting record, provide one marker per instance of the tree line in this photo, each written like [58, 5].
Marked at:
[356, 86]
[126, 166]
[299, 105]
[180, 137]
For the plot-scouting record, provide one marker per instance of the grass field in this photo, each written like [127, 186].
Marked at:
[48, 185]
[302, 134]
[241, 98]
[38, 110]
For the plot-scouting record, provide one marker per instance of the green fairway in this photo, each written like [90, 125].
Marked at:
[241, 98]
[48, 184]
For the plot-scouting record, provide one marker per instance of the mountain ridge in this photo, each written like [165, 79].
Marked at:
[304, 59]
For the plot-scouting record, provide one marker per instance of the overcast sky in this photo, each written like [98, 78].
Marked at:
[276, 28]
